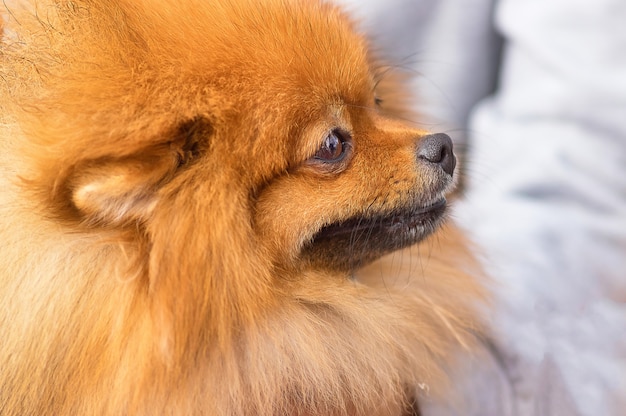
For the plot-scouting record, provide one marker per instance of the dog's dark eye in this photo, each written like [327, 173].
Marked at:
[334, 147]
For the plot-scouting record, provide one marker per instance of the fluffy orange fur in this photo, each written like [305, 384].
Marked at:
[158, 192]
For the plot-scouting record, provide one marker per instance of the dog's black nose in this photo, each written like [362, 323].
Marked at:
[437, 149]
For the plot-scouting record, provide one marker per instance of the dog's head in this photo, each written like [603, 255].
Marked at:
[277, 105]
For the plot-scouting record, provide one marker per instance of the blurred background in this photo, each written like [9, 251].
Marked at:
[533, 92]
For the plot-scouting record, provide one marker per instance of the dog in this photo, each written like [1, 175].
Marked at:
[196, 198]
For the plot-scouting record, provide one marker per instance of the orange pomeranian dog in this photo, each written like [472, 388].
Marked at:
[189, 192]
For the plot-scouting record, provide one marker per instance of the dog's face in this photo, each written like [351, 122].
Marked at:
[360, 190]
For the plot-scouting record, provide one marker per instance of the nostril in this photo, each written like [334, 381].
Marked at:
[437, 149]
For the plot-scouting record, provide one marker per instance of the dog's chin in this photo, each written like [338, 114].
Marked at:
[355, 242]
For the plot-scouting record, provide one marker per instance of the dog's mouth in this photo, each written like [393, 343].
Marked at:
[352, 243]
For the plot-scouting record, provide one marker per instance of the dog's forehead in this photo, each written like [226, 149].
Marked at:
[278, 44]
[315, 52]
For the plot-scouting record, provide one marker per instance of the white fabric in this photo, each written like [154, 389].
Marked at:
[548, 198]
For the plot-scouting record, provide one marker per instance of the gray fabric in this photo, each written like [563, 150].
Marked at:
[421, 36]
[546, 188]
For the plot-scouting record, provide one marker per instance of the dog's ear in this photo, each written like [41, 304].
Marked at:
[119, 191]
[114, 191]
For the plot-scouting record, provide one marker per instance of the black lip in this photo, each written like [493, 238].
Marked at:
[393, 222]
[350, 244]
